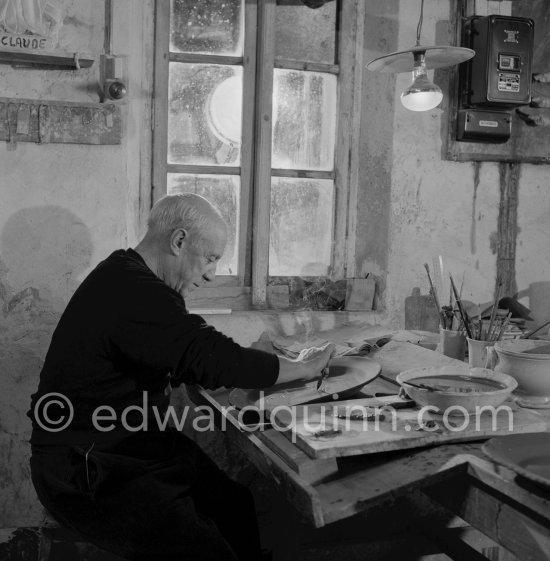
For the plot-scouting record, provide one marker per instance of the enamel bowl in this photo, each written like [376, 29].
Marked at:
[456, 390]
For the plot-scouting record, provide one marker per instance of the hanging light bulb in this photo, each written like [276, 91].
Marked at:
[422, 94]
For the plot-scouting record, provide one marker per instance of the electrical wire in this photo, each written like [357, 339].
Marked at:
[419, 26]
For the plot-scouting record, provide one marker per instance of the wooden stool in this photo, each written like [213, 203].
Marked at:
[54, 536]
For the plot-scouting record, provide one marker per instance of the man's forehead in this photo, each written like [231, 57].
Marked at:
[214, 237]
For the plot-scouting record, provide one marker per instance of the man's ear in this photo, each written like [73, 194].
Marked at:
[177, 239]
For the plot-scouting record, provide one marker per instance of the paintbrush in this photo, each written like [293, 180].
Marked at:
[428, 388]
[324, 376]
[442, 318]
[503, 326]
[535, 331]
[463, 314]
[494, 310]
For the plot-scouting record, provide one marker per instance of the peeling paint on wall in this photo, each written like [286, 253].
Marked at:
[509, 174]
[64, 208]
[476, 166]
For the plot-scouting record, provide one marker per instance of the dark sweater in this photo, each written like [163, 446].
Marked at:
[125, 332]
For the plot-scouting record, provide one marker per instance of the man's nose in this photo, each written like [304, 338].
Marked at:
[209, 275]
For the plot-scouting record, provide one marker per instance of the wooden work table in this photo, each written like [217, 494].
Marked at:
[448, 495]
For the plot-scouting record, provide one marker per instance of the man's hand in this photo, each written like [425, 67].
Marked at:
[308, 366]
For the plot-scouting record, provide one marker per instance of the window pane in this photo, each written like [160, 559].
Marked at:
[223, 191]
[204, 114]
[304, 120]
[207, 26]
[306, 34]
[301, 226]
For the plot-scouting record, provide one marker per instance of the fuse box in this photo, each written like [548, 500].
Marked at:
[499, 75]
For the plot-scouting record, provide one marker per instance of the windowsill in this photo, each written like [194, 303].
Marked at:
[246, 326]
[289, 312]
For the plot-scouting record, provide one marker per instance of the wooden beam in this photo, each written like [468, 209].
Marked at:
[303, 173]
[248, 151]
[508, 229]
[289, 64]
[350, 35]
[262, 175]
[199, 58]
[160, 100]
[198, 169]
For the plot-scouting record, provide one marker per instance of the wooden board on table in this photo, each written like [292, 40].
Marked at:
[396, 356]
[320, 433]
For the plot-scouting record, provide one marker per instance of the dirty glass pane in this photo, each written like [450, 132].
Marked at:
[305, 34]
[204, 114]
[223, 191]
[207, 26]
[301, 226]
[304, 120]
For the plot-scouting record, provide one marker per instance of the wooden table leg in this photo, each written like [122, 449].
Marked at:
[286, 546]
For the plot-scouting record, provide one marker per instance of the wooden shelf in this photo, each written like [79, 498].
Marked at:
[58, 60]
[44, 122]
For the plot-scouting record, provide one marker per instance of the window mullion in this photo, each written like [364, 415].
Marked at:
[350, 40]
[262, 170]
[160, 99]
[357, 66]
[203, 169]
[200, 58]
[288, 64]
[247, 151]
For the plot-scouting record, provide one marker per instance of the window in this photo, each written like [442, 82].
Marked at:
[254, 110]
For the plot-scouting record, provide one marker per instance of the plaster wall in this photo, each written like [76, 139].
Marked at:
[63, 209]
[428, 206]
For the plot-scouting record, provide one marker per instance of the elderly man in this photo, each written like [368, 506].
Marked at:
[125, 336]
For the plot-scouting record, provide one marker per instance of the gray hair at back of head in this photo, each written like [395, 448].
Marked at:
[185, 210]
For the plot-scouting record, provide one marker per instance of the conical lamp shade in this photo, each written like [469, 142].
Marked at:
[422, 94]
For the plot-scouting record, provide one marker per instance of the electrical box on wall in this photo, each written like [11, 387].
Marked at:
[483, 126]
[500, 72]
[497, 78]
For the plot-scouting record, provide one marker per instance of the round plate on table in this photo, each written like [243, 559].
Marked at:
[347, 375]
[527, 454]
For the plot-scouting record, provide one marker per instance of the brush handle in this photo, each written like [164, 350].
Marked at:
[442, 318]
[463, 314]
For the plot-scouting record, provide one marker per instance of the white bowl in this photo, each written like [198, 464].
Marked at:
[468, 388]
[530, 369]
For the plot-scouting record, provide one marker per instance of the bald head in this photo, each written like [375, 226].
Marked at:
[196, 215]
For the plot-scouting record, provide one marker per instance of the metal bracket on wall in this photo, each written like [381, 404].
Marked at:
[42, 122]
[58, 61]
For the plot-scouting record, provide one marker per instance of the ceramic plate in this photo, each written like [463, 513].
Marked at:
[347, 375]
[526, 454]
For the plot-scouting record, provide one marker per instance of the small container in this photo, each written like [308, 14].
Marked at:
[477, 352]
[452, 343]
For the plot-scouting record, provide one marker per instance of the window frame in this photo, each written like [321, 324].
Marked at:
[251, 287]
